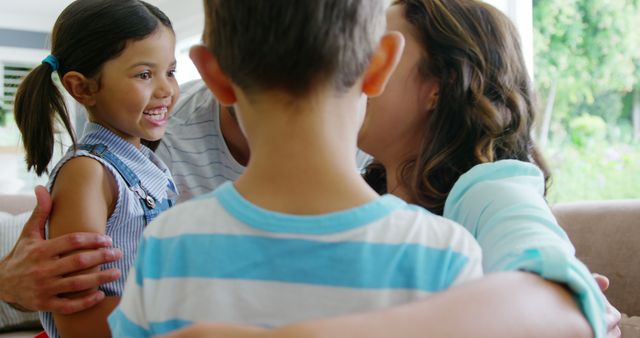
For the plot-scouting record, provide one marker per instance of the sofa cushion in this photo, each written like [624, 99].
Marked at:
[630, 327]
[10, 227]
[606, 235]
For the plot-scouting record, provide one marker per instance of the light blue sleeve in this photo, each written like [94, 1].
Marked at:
[503, 206]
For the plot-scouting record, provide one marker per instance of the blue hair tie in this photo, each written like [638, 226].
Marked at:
[52, 61]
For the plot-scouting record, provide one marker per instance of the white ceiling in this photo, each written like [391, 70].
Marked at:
[39, 15]
[34, 15]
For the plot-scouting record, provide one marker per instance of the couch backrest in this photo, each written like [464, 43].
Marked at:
[16, 204]
[606, 235]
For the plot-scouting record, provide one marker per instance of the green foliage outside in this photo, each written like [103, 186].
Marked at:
[587, 75]
[602, 171]
[3, 115]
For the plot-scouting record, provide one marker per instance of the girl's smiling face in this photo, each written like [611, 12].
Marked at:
[137, 90]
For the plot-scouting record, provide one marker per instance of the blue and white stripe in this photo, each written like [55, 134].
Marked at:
[193, 146]
[232, 261]
[126, 223]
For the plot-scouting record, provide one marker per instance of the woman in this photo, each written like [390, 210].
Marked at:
[452, 133]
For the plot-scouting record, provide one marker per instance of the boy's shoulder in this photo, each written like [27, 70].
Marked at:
[413, 224]
[193, 217]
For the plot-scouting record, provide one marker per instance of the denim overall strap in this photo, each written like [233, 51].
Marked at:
[150, 206]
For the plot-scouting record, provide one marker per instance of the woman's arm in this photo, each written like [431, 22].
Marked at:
[509, 305]
[503, 206]
[33, 274]
[84, 196]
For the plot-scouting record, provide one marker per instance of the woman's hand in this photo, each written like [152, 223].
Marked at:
[613, 315]
[34, 273]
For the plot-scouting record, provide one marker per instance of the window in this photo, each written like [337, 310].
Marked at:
[13, 176]
[584, 60]
[587, 77]
[12, 74]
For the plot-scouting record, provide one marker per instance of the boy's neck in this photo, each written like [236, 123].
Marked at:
[303, 153]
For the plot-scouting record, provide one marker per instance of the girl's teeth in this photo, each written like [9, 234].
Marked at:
[158, 114]
[156, 117]
[159, 111]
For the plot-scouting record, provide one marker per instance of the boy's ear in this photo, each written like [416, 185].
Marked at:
[213, 77]
[80, 87]
[383, 62]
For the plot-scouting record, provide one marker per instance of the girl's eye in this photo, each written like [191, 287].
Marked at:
[144, 75]
[171, 73]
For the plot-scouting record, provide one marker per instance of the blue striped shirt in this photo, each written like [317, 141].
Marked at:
[193, 147]
[126, 223]
[232, 261]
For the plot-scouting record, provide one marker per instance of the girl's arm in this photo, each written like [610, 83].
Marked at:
[84, 196]
[508, 304]
[33, 274]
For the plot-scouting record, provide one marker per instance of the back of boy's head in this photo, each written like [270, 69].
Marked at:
[87, 34]
[293, 45]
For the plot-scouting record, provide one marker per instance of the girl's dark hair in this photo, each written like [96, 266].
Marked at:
[87, 34]
[484, 111]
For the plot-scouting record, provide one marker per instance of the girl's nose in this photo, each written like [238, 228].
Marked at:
[164, 87]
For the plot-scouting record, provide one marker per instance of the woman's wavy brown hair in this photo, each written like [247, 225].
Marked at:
[484, 111]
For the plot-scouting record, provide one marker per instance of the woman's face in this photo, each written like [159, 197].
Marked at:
[394, 124]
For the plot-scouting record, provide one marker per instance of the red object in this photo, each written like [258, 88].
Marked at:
[42, 334]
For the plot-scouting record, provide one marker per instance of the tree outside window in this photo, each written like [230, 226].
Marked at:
[587, 76]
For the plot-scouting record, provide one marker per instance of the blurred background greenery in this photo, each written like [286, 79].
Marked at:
[587, 78]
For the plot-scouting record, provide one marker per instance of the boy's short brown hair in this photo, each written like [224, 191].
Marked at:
[293, 45]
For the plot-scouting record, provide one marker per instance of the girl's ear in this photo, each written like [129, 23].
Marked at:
[209, 69]
[383, 62]
[80, 87]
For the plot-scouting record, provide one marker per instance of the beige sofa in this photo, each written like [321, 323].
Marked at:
[606, 235]
[607, 239]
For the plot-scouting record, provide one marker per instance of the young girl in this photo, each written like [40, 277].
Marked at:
[116, 58]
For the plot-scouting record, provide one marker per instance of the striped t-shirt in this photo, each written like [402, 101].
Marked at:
[193, 147]
[234, 262]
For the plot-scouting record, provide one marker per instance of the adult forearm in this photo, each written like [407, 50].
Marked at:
[506, 305]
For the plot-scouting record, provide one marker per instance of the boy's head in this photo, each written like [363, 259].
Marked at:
[293, 45]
